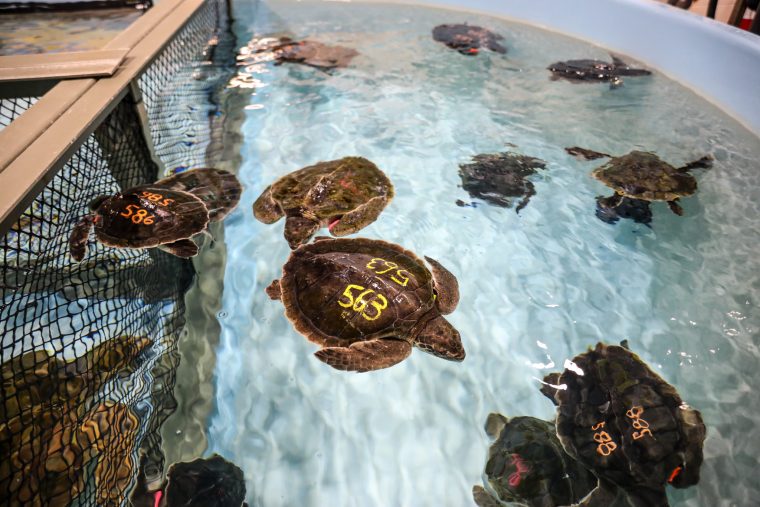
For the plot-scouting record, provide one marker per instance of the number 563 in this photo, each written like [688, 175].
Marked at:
[359, 304]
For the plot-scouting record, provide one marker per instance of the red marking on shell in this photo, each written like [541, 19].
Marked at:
[522, 469]
[157, 498]
[473, 51]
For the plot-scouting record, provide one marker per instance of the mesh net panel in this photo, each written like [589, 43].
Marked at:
[11, 108]
[89, 350]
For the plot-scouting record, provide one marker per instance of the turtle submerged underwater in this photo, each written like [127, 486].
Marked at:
[344, 195]
[49, 439]
[367, 302]
[581, 71]
[165, 214]
[468, 39]
[527, 465]
[500, 178]
[203, 482]
[306, 52]
[627, 425]
[643, 176]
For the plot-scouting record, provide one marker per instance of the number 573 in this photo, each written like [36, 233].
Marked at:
[359, 304]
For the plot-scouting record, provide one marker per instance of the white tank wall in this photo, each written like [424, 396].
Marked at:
[720, 62]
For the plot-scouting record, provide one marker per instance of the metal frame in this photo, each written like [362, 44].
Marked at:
[40, 141]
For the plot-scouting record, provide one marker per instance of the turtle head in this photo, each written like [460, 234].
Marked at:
[438, 337]
[299, 230]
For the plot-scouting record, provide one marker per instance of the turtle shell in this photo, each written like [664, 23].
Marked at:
[346, 195]
[468, 39]
[527, 464]
[594, 70]
[218, 189]
[315, 54]
[346, 290]
[643, 175]
[625, 423]
[148, 216]
[206, 482]
[498, 178]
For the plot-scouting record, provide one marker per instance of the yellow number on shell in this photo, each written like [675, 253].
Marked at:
[360, 303]
[602, 437]
[349, 296]
[635, 412]
[371, 264]
[378, 307]
[406, 278]
[390, 265]
[597, 426]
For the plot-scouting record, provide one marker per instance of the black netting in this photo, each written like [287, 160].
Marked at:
[89, 350]
[183, 117]
[11, 108]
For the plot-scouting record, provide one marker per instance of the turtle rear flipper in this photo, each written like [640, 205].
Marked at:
[494, 424]
[496, 47]
[274, 291]
[446, 287]
[359, 218]
[184, 248]
[299, 230]
[79, 237]
[675, 207]
[483, 498]
[439, 338]
[366, 356]
[702, 163]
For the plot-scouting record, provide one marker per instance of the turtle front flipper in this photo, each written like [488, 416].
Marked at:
[530, 191]
[366, 356]
[584, 154]
[299, 230]
[446, 287]
[703, 163]
[483, 498]
[266, 209]
[439, 338]
[184, 248]
[80, 235]
[359, 218]
[675, 207]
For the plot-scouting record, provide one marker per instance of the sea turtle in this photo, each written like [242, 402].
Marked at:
[643, 175]
[498, 178]
[366, 302]
[345, 195]
[203, 482]
[627, 425]
[527, 465]
[468, 39]
[44, 400]
[307, 52]
[595, 70]
[164, 214]
[315, 54]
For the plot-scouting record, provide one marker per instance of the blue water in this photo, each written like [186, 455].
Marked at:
[536, 288]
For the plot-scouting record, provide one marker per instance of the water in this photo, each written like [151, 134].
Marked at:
[536, 288]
